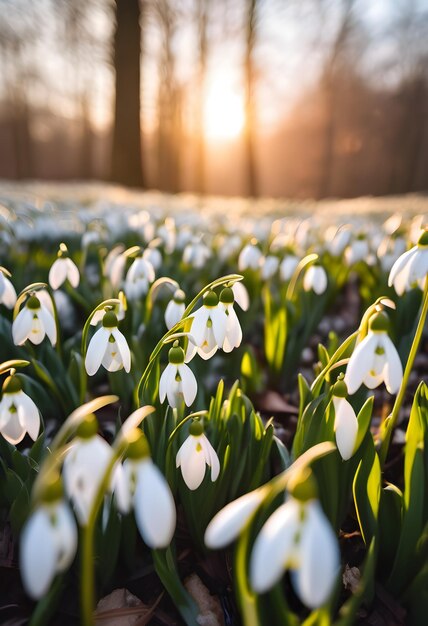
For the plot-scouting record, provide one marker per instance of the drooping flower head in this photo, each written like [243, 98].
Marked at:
[7, 290]
[233, 334]
[48, 541]
[194, 455]
[345, 422]
[411, 268]
[315, 279]
[250, 257]
[33, 322]
[175, 309]
[140, 485]
[375, 359]
[18, 413]
[63, 268]
[177, 382]
[209, 326]
[84, 466]
[108, 347]
[138, 278]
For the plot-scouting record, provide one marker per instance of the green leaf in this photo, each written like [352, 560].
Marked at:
[367, 490]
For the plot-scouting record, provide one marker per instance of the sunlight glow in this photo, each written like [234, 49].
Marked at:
[224, 115]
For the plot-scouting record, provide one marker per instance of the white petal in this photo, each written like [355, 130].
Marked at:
[123, 348]
[13, 430]
[154, 506]
[28, 414]
[72, 273]
[319, 554]
[121, 486]
[48, 324]
[275, 546]
[58, 273]
[188, 383]
[397, 268]
[211, 457]
[193, 463]
[21, 326]
[345, 426]
[241, 296]
[393, 368]
[96, 350]
[360, 362]
[9, 294]
[166, 379]
[199, 325]
[219, 320]
[66, 536]
[228, 523]
[38, 554]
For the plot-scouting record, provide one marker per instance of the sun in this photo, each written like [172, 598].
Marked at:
[224, 114]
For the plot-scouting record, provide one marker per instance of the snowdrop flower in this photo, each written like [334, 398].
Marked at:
[227, 524]
[375, 359]
[138, 278]
[233, 335]
[297, 536]
[175, 309]
[177, 381]
[119, 310]
[139, 484]
[269, 266]
[108, 347]
[196, 254]
[338, 239]
[168, 234]
[389, 250]
[114, 266]
[153, 255]
[209, 326]
[358, 250]
[315, 279]
[33, 322]
[18, 413]
[411, 269]
[241, 295]
[250, 256]
[345, 422]
[195, 453]
[7, 290]
[48, 542]
[62, 269]
[84, 466]
[288, 266]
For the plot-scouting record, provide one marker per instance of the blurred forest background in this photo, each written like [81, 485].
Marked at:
[296, 98]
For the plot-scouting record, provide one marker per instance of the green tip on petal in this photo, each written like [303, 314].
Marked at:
[226, 296]
[340, 390]
[196, 428]
[33, 303]
[88, 428]
[138, 447]
[12, 384]
[379, 322]
[210, 299]
[423, 239]
[176, 355]
[110, 320]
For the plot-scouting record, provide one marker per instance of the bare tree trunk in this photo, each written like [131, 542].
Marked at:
[126, 165]
[249, 72]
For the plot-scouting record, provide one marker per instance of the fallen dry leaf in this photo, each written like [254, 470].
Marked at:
[122, 608]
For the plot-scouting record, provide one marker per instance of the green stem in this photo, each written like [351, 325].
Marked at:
[87, 586]
[391, 420]
[215, 283]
